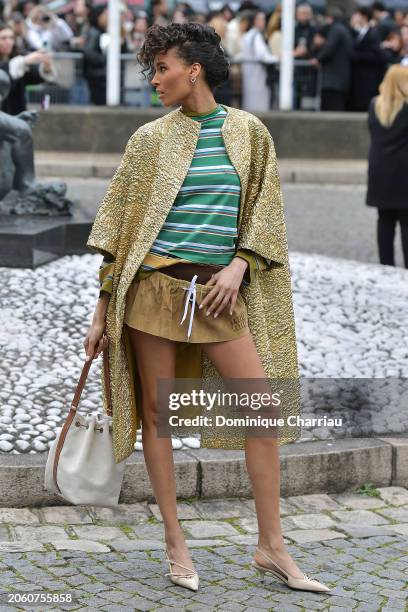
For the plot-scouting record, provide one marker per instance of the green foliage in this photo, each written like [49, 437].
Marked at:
[368, 488]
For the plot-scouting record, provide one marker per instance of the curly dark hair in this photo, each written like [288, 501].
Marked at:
[194, 42]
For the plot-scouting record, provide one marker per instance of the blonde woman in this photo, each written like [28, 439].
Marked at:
[388, 162]
[274, 31]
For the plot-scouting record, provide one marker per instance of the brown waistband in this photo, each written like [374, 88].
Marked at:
[186, 271]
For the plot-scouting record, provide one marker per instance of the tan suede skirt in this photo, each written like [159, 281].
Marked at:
[168, 307]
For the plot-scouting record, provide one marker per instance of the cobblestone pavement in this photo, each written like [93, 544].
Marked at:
[112, 559]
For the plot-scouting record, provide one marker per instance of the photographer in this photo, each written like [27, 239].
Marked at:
[30, 69]
[45, 30]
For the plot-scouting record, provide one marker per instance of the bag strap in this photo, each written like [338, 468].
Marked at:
[84, 375]
[74, 406]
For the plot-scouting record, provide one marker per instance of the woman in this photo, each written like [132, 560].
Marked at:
[187, 210]
[94, 50]
[95, 56]
[388, 162]
[30, 69]
[274, 32]
[256, 93]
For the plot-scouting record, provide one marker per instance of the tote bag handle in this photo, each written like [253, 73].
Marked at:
[84, 375]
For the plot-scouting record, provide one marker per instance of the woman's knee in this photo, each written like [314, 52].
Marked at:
[150, 414]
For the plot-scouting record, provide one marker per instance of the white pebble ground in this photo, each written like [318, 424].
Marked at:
[351, 321]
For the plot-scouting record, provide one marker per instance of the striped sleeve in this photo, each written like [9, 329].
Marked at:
[256, 263]
[106, 272]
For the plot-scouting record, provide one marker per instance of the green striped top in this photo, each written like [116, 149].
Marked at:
[202, 223]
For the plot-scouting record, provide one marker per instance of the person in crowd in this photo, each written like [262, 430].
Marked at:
[392, 47]
[256, 93]
[78, 20]
[233, 34]
[234, 29]
[227, 12]
[219, 23]
[94, 54]
[10, 7]
[198, 18]
[137, 89]
[95, 48]
[159, 10]
[26, 6]
[45, 30]
[404, 50]
[17, 22]
[31, 69]
[198, 6]
[384, 22]
[304, 31]
[305, 81]
[274, 31]
[368, 61]
[224, 91]
[179, 16]
[136, 37]
[400, 17]
[334, 47]
[387, 163]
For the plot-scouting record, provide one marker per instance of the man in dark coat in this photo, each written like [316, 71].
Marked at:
[334, 57]
[384, 21]
[368, 61]
[304, 30]
[304, 79]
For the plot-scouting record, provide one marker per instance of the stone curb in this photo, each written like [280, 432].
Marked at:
[306, 467]
[300, 171]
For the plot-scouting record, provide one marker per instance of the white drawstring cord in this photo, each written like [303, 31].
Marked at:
[191, 295]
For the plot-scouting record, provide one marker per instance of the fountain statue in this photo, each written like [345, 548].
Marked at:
[20, 193]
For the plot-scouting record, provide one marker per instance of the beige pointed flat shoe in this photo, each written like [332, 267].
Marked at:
[188, 580]
[305, 583]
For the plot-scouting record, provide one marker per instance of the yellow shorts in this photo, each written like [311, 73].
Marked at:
[168, 307]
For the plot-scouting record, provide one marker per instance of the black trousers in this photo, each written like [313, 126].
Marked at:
[386, 224]
[332, 100]
[97, 89]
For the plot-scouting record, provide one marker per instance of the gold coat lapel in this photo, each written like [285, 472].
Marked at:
[237, 145]
[176, 151]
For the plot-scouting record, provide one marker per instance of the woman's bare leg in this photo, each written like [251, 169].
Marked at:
[156, 359]
[239, 359]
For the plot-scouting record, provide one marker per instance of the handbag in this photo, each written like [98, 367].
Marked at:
[80, 465]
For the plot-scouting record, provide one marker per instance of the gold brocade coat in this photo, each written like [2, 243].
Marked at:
[136, 204]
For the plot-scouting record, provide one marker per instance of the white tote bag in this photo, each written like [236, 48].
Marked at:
[80, 465]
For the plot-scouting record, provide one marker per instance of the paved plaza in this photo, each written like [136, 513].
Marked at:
[112, 559]
[350, 320]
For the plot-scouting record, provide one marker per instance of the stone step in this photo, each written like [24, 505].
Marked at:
[306, 467]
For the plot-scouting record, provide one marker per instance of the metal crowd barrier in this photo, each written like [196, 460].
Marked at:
[72, 87]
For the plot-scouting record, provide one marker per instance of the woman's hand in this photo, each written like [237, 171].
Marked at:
[226, 284]
[37, 57]
[95, 338]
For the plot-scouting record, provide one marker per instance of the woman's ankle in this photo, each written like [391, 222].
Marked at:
[174, 535]
[275, 545]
